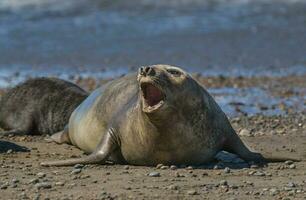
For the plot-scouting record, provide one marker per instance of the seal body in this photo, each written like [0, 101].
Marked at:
[39, 106]
[160, 115]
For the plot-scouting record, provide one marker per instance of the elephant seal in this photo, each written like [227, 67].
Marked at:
[40, 105]
[161, 115]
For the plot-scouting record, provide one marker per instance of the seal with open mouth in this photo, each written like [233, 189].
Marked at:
[160, 115]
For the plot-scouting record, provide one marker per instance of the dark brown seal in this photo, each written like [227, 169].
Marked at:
[161, 115]
[40, 105]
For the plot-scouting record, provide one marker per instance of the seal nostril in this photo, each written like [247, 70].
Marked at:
[142, 71]
[149, 71]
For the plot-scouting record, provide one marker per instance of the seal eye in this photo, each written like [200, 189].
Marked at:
[174, 72]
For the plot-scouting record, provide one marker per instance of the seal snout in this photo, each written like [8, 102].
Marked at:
[147, 71]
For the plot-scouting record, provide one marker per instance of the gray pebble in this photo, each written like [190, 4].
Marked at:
[4, 186]
[258, 173]
[43, 185]
[126, 167]
[223, 182]
[227, 170]
[173, 187]
[173, 167]
[274, 191]
[41, 174]
[78, 166]
[292, 166]
[159, 166]
[192, 192]
[291, 184]
[76, 171]
[9, 151]
[288, 162]
[164, 167]
[154, 174]
[59, 183]
[33, 181]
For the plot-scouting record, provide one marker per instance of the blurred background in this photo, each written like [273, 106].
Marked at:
[250, 54]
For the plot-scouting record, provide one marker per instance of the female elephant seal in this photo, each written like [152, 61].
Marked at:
[161, 115]
[40, 105]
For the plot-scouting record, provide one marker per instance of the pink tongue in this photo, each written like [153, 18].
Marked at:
[153, 95]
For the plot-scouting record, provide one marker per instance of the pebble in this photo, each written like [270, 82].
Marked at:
[289, 162]
[173, 167]
[223, 182]
[14, 180]
[126, 167]
[292, 166]
[291, 184]
[173, 187]
[274, 191]
[159, 166]
[192, 192]
[154, 174]
[41, 175]
[9, 151]
[227, 170]
[245, 132]
[258, 173]
[164, 167]
[78, 166]
[43, 185]
[59, 183]
[76, 171]
[34, 180]
[4, 186]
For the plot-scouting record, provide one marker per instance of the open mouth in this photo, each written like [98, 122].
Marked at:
[153, 97]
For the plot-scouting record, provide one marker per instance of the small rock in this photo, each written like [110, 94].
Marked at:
[154, 174]
[14, 180]
[173, 167]
[223, 182]
[126, 167]
[189, 168]
[289, 162]
[9, 151]
[43, 185]
[227, 170]
[164, 167]
[173, 187]
[33, 181]
[78, 166]
[258, 173]
[177, 174]
[4, 186]
[292, 166]
[59, 183]
[41, 175]
[291, 184]
[159, 166]
[274, 191]
[245, 132]
[76, 171]
[192, 192]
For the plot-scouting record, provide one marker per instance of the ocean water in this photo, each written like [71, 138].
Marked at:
[232, 38]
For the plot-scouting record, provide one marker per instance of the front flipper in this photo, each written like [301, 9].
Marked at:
[106, 146]
[60, 137]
